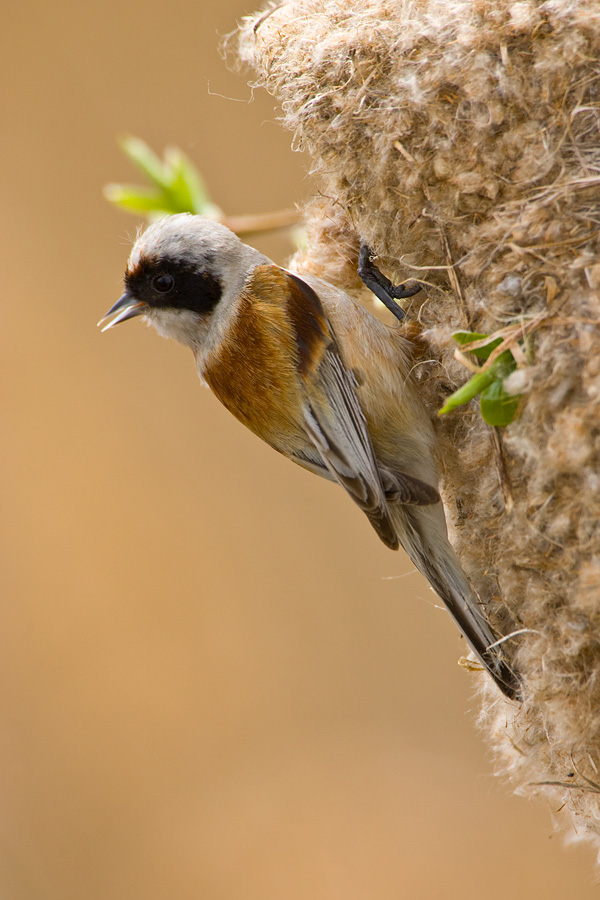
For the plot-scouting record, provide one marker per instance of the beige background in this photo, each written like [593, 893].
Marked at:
[214, 681]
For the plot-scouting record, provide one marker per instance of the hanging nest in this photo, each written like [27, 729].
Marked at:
[460, 139]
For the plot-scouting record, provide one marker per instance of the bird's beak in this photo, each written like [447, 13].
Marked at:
[126, 307]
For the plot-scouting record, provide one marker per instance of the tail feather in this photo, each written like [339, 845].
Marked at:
[437, 561]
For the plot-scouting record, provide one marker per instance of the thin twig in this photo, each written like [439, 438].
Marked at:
[258, 222]
[453, 277]
[265, 16]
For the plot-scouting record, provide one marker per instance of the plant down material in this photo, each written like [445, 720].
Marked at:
[460, 140]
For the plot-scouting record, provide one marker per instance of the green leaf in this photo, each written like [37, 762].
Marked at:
[176, 184]
[498, 407]
[475, 385]
[187, 185]
[466, 337]
[145, 160]
[133, 199]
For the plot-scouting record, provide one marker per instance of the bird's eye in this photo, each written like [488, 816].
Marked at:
[163, 283]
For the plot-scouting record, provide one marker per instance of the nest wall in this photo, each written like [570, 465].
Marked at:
[461, 141]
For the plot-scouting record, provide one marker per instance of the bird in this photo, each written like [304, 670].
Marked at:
[320, 379]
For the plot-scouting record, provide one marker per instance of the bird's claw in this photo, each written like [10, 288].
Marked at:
[381, 286]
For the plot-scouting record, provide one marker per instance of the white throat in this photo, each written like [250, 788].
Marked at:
[182, 325]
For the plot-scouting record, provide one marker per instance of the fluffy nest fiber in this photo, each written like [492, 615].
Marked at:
[460, 139]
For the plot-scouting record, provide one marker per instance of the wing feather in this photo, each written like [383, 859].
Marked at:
[333, 417]
[335, 423]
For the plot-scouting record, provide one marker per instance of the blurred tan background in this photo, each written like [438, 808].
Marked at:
[215, 682]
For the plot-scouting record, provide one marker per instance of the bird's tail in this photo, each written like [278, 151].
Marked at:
[427, 545]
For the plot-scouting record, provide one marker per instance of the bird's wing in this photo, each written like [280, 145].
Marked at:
[333, 417]
[402, 488]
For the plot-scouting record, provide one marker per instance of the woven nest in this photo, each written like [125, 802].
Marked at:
[460, 140]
